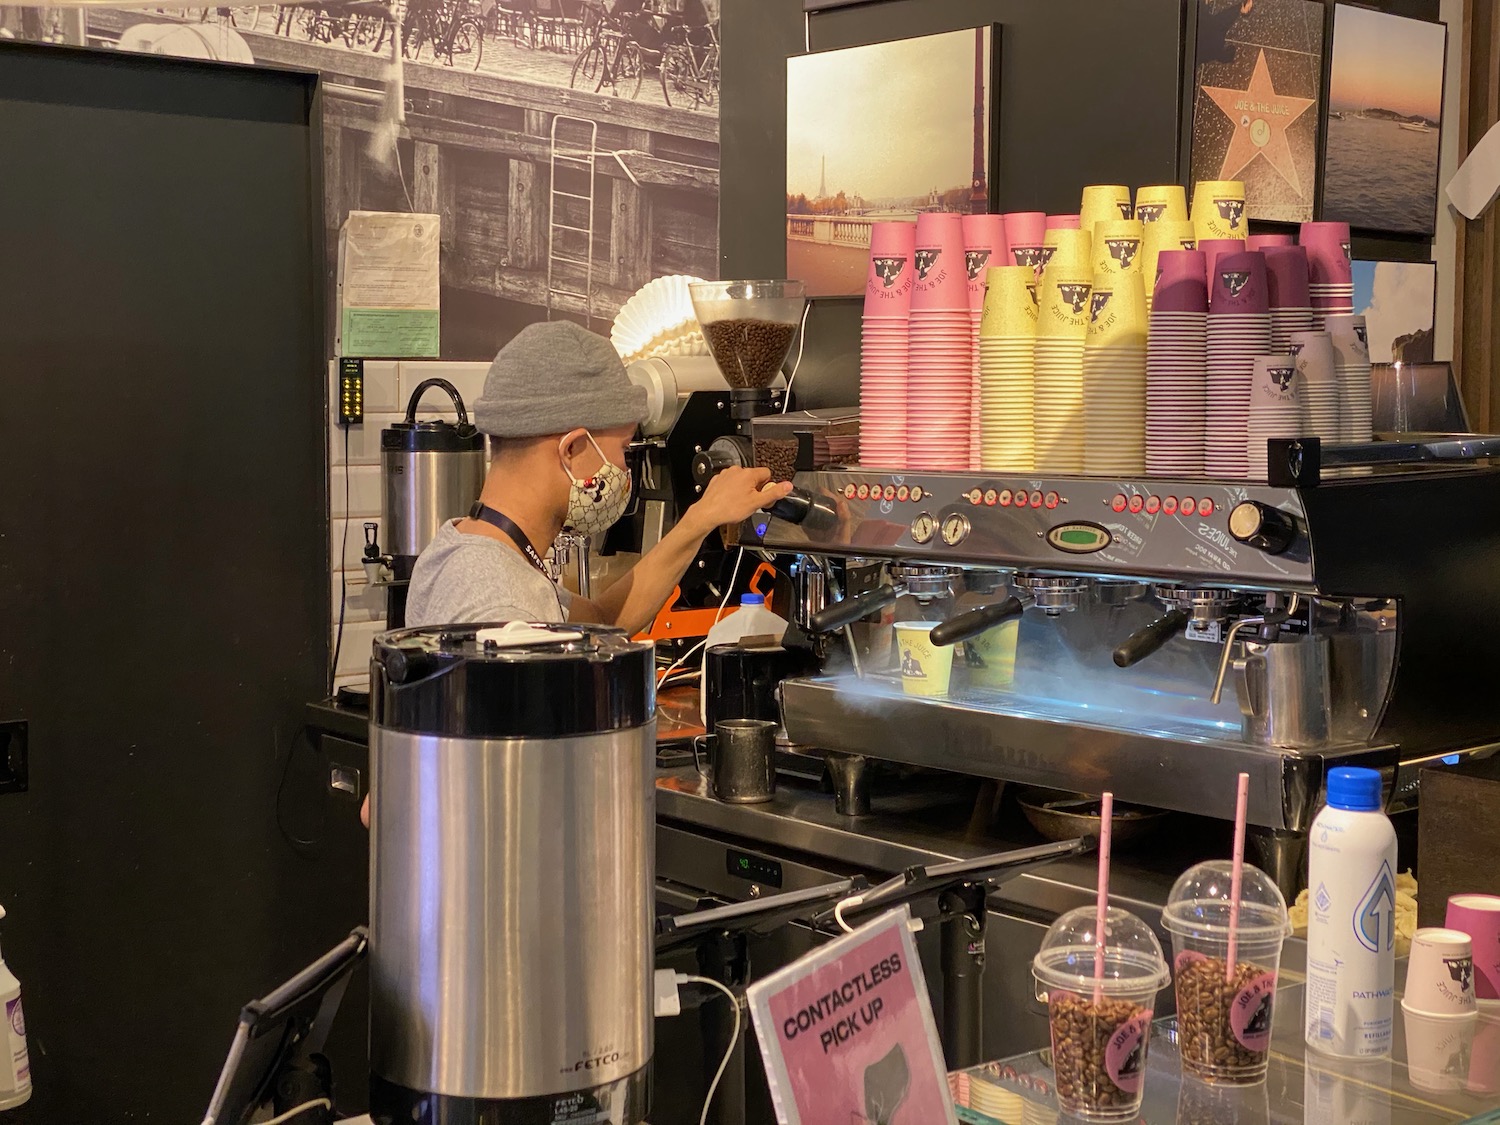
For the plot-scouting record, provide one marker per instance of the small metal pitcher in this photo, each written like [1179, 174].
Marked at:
[741, 761]
[1283, 690]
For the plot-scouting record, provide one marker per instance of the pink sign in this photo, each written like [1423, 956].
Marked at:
[848, 1036]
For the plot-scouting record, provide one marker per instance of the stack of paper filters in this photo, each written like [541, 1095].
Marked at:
[884, 351]
[1007, 365]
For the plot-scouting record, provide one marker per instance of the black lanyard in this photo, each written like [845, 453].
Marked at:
[482, 511]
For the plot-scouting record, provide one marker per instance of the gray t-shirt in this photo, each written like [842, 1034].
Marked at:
[462, 579]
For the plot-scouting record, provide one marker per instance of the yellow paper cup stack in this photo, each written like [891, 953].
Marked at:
[1071, 249]
[1103, 203]
[1062, 325]
[992, 655]
[1117, 246]
[1007, 365]
[1164, 234]
[1114, 377]
[1165, 202]
[1219, 209]
[926, 668]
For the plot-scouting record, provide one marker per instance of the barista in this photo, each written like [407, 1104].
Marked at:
[560, 411]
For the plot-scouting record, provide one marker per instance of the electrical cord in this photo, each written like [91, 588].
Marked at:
[801, 342]
[338, 638]
[316, 1103]
[728, 593]
[734, 1039]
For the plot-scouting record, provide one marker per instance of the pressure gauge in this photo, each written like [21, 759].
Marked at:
[955, 529]
[922, 529]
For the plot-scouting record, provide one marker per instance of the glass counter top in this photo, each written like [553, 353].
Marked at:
[1439, 1073]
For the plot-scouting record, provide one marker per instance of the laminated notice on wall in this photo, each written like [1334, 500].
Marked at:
[847, 1033]
[388, 285]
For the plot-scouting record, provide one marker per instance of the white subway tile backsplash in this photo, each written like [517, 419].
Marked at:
[364, 491]
[364, 603]
[354, 654]
[382, 387]
[467, 378]
[364, 439]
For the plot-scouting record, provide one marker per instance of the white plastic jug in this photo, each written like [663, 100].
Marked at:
[751, 619]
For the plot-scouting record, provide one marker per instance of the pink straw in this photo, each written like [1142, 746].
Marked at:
[1106, 814]
[1241, 809]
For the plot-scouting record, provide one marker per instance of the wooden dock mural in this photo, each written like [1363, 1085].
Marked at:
[556, 199]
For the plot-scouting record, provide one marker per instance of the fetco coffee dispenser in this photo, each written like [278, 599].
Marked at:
[432, 472]
[512, 868]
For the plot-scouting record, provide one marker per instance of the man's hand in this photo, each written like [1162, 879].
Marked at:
[734, 495]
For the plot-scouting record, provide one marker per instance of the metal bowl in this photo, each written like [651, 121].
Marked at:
[1060, 815]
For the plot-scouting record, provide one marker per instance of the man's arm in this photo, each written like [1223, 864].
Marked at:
[634, 601]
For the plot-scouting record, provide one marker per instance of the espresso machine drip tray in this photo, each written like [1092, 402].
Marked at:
[1185, 765]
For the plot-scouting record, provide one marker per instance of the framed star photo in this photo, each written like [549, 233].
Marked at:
[1257, 84]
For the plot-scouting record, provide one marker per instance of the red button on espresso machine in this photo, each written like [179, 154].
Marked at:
[1137, 503]
[1118, 503]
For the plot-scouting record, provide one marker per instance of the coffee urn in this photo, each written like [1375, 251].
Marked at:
[512, 875]
[433, 471]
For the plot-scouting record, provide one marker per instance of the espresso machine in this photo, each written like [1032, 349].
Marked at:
[1166, 635]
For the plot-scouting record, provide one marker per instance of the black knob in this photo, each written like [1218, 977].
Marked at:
[1263, 527]
[725, 453]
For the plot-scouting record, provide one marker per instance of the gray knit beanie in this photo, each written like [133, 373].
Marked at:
[553, 377]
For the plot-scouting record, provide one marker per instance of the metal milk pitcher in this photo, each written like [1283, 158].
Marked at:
[1283, 691]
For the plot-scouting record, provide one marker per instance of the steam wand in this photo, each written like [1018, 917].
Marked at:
[1272, 618]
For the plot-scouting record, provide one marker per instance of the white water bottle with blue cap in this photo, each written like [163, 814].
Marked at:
[1351, 920]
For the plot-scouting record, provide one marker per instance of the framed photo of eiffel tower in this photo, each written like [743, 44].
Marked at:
[882, 133]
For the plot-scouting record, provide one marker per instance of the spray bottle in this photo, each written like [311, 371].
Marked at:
[15, 1066]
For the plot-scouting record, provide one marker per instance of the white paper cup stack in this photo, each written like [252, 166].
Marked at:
[1318, 384]
[1276, 409]
[1176, 355]
[1007, 367]
[884, 346]
[1351, 351]
[1239, 331]
[1114, 377]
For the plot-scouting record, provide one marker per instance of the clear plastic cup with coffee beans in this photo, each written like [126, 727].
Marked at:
[1100, 1035]
[1224, 1013]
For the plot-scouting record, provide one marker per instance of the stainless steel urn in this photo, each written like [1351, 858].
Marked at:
[433, 472]
[512, 874]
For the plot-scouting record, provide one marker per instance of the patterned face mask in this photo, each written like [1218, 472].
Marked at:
[595, 504]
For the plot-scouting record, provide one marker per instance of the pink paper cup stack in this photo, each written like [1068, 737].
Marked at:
[1291, 304]
[1239, 332]
[884, 345]
[1176, 353]
[1330, 269]
[939, 390]
[1025, 234]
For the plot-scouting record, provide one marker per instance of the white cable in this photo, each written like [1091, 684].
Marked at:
[838, 911]
[801, 342]
[683, 978]
[728, 593]
[316, 1103]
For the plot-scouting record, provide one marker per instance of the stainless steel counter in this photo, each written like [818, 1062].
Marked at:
[1456, 1079]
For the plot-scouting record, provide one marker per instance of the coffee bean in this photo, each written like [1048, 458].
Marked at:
[1081, 1031]
[1204, 1001]
[749, 352]
[777, 454]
